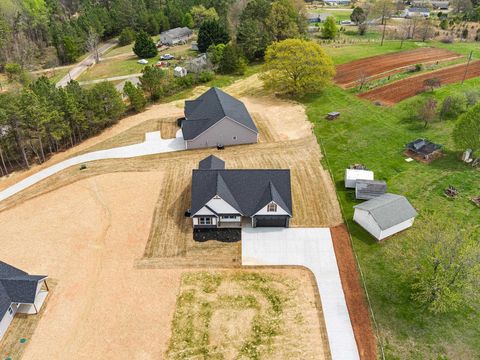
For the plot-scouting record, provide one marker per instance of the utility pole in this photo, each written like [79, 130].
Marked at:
[466, 67]
[384, 21]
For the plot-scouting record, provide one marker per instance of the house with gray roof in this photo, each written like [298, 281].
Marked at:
[232, 198]
[385, 215]
[19, 293]
[217, 119]
[179, 35]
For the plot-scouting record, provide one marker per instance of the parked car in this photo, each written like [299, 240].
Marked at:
[167, 57]
[346, 22]
[142, 61]
[161, 64]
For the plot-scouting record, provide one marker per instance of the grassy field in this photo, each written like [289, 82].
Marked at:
[338, 14]
[113, 67]
[375, 136]
[245, 315]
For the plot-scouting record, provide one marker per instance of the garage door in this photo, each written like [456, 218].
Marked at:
[271, 221]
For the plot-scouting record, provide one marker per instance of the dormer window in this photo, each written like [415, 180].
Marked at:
[272, 207]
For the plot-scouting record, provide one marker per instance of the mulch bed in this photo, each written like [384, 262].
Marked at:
[420, 158]
[223, 235]
[354, 294]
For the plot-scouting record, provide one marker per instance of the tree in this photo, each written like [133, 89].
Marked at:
[200, 14]
[432, 83]
[92, 44]
[295, 67]
[358, 16]
[144, 46]
[105, 105]
[283, 21]
[441, 263]
[329, 29]
[153, 81]
[444, 24]
[428, 111]
[188, 20]
[426, 30]
[466, 133]
[215, 53]
[232, 61]
[127, 36]
[211, 32]
[453, 106]
[135, 96]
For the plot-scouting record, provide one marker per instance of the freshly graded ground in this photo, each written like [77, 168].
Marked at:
[403, 89]
[383, 65]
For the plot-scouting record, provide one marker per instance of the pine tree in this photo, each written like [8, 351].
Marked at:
[144, 46]
[211, 32]
[135, 96]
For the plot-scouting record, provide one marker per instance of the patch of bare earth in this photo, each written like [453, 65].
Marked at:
[260, 313]
[86, 236]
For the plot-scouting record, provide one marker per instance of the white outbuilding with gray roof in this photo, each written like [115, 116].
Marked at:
[352, 175]
[385, 215]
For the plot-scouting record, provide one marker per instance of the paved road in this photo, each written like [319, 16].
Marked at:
[153, 144]
[312, 248]
[83, 65]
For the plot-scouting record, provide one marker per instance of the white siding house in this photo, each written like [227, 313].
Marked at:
[385, 215]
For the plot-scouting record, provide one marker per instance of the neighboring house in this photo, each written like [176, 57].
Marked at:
[228, 198]
[179, 35]
[385, 215]
[424, 149]
[352, 175]
[217, 119]
[198, 64]
[19, 293]
[337, 2]
[179, 71]
[312, 17]
[415, 11]
[369, 189]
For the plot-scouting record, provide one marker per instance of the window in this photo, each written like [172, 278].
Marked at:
[234, 138]
[10, 310]
[205, 221]
[229, 216]
[272, 207]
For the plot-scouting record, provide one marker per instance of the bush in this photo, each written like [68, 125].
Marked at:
[472, 97]
[447, 40]
[464, 33]
[205, 76]
[453, 106]
[232, 61]
[477, 36]
[329, 29]
[444, 24]
[127, 36]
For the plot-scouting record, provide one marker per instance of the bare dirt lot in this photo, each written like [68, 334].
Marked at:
[267, 314]
[403, 89]
[380, 66]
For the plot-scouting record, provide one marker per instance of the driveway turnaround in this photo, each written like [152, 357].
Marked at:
[153, 144]
[312, 248]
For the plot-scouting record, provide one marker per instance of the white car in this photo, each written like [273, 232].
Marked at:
[142, 61]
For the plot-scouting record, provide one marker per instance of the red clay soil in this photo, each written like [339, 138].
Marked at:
[400, 90]
[354, 295]
[380, 66]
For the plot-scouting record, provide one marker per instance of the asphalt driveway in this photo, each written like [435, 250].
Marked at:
[312, 248]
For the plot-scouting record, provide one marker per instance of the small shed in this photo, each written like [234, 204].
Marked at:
[179, 71]
[385, 215]
[369, 189]
[332, 115]
[352, 175]
[424, 149]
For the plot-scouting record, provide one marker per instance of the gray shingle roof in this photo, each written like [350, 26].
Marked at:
[16, 286]
[369, 189]
[388, 210]
[247, 191]
[178, 32]
[211, 107]
[423, 147]
[211, 163]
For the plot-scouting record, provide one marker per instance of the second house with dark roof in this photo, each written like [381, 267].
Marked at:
[217, 119]
[231, 198]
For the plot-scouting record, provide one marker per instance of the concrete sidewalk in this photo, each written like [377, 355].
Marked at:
[312, 248]
[153, 144]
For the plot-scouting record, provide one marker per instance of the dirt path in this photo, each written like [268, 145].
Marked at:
[403, 89]
[383, 65]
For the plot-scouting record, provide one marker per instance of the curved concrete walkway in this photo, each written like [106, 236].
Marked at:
[153, 144]
[312, 248]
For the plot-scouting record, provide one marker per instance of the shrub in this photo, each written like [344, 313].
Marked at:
[444, 24]
[465, 34]
[472, 97]
[205, 76]
[144, 46]
[453, 106]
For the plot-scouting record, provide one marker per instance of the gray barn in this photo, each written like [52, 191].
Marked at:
[216, 118]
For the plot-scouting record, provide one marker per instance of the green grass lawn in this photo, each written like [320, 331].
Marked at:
[114, 67]
[375, 136]
[339, 14]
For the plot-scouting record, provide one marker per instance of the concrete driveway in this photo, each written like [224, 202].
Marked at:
[153, 144]
[312, 248]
